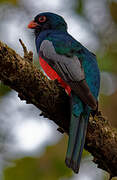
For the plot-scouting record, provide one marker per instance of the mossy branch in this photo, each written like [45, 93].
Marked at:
[21, 74]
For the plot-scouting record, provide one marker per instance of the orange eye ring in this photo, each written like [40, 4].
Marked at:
[42, 19]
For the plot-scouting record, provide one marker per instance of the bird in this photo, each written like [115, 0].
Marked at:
[66, 60]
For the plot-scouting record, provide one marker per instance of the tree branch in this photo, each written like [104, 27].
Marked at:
[21, 75]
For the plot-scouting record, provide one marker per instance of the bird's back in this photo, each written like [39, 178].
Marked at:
[65, 44]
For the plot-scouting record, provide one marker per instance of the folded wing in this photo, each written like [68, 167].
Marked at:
[70, 70]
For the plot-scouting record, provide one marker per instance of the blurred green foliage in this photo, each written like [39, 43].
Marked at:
[50, 166]
[9, 1]
[108, 61]
[113, 10]
[79, 7]
[114, 178]
[4, 89]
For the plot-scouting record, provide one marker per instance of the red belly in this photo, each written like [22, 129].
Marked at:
[53, 75]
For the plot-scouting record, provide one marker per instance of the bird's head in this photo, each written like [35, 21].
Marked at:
[47, 21]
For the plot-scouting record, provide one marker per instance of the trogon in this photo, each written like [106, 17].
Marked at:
[76, 69]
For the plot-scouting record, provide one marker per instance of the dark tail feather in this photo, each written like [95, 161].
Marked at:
[78, 149]
[74, 126]
[74, 123]
[78, 133]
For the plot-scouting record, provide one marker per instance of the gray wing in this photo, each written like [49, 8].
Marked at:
[70, 70]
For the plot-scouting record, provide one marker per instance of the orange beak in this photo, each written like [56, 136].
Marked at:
[32, 25]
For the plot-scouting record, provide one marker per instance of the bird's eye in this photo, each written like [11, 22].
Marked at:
[42, 19]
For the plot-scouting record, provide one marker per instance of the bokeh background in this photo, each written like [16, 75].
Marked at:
[30, 146]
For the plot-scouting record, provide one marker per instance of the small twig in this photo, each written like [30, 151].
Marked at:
[24, 48]
[27, 55]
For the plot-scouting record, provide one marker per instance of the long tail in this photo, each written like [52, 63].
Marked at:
[78, 127]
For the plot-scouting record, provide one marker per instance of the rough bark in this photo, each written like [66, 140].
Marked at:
[20, 74]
